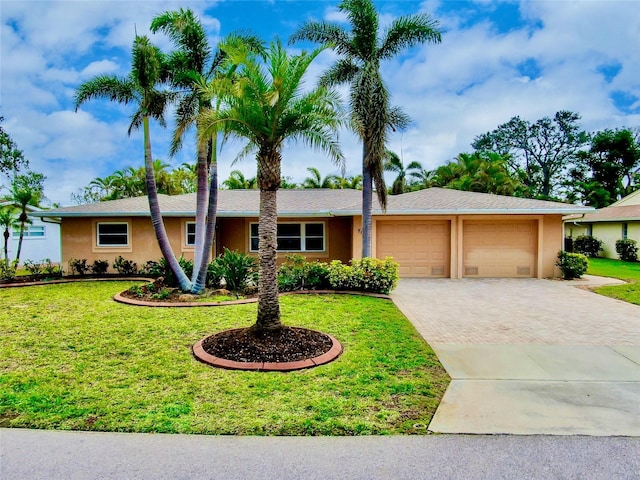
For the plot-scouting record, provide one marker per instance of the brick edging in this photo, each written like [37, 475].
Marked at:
[334, 352]
[143, 303]
[74, 280]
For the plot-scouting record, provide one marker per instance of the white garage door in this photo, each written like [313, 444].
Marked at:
[422, 248]
[499, 248]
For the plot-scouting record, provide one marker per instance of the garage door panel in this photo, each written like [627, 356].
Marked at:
[421, 248]
[500, 249]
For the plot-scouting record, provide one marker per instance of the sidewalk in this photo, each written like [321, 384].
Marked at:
[52, 455]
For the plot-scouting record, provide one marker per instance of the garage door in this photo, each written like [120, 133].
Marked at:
[422, 248]
[499, 248]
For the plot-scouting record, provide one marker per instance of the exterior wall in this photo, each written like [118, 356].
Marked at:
[573, 230]
[631, 199]
[79, 240]
[36, 248]
[550, 242]
[233, 233]
[610, 232]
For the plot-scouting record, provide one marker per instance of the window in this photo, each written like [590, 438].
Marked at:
[294, 237]
[625, 230]
[190, 234]
[589, 230]
[31, 231]
[113, 234]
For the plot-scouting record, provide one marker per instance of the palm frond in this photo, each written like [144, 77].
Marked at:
[408, 31]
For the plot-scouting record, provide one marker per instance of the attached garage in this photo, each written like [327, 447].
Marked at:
[422, 248]
[499, 248]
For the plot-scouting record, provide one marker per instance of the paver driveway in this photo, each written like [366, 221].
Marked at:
[529, 356]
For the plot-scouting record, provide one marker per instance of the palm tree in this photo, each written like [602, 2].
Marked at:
[8, 220]
[267, 107]
[353, 182]
[237, 181]
[27, 189]
[316, 180]
[393, 163]
[361, 51]
[191, 66]
[140, 87]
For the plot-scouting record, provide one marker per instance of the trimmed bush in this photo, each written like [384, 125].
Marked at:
[365, 275]
[79, 266]
[298, 274]
[572, 265]
[125, 267]
[99, 267]
[627, 250]
[587, 245]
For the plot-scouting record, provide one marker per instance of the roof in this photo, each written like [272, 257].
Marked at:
[612, 213]
[631, 199]
[325, 203]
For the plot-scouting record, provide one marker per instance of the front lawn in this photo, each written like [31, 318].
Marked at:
[627, 271]
[72, 358]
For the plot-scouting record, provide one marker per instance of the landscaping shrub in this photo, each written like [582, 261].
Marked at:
[366, 275]
[587, 245]
[51, 269]
[79, 266]
[8, 269]
[298, 274]
[627, 250]
[99, 267]
[34, 268]
[572, 265]
[215, 274]
[125, 267]
[161, 268]
[239, 270]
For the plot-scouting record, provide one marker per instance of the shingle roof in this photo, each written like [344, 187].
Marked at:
[324, 202]
[614, 214]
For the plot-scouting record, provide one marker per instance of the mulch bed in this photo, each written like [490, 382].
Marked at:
[288, 344]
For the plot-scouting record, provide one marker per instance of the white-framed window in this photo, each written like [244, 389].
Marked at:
[190, 233]
[112, 234]
[625, 230]
[294, 237]
[31, 231]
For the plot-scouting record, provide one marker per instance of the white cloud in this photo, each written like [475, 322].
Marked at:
[100, 67]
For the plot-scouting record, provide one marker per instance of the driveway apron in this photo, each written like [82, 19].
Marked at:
[529, 356]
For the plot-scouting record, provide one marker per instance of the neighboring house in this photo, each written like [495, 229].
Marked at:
[430, 233]
[619, 220]
[41, 237]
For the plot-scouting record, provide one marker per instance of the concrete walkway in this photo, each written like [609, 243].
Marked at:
[529, 356]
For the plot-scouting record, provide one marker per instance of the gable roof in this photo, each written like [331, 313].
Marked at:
[324, 203]
[612, 214]
[631, 199]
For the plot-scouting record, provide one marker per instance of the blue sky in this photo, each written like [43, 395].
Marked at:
[496, 60]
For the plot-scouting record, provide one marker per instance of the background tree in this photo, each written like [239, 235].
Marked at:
[267, 107]
[237, 181]
[141, 88]
[609, 170]
[8, 220]
[485, 172]
[393, 163]
[11, 157]
[26, 189]
[541, 153]
[361, 52]
[317, 181]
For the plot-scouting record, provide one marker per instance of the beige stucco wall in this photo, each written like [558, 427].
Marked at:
[611, 232]
[573, 230]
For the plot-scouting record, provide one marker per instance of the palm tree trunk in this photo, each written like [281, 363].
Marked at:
[23, 222]
[201, 278]
[156, 215]
[6, 246]
[268, 304]
[367, 195]
[202, 200]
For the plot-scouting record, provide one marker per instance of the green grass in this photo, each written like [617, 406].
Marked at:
[72, 358]
[627, 271]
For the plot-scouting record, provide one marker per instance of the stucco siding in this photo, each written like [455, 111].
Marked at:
[552, 243]
[609, 233]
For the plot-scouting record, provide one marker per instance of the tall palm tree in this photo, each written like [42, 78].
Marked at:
[268, 107]
[8, 220]
[26, 189]
[361, 51]
[191, 66]
[393, 163]
[140, 88]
